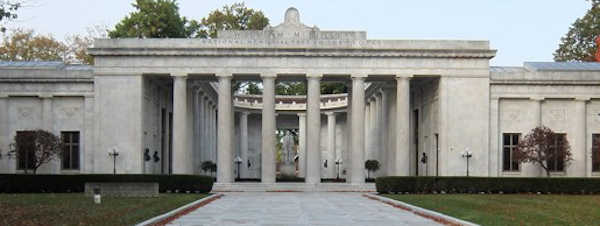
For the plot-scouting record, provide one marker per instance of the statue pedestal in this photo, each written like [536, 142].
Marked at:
[287, 169]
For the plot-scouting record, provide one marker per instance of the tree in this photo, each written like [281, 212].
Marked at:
[233, 17]
[35, 148]
[25, 45]
[8, 11]
[544, 147]
[209, 166]
[578, 44]
[79, 44]
[371, 165]
[155, 19]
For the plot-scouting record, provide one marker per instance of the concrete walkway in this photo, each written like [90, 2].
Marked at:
[299, 208]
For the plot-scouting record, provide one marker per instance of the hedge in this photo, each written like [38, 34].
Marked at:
[487, 185]
[36, 183]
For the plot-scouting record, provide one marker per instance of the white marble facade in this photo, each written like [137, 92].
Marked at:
[173, 97]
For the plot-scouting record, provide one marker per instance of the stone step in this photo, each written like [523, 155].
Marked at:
[293, 187]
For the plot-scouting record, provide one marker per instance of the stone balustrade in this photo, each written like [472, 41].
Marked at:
[290, 103]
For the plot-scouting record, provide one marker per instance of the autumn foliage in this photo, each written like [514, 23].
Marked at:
[34, 148]
[543, 147]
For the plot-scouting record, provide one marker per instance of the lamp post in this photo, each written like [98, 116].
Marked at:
[467, 154]
[338, 162]
[114, 153]
[238, 160]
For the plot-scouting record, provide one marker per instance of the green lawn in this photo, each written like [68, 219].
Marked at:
[512, 209]
[75, 209]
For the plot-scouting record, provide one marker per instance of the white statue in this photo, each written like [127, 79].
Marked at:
[288, 147]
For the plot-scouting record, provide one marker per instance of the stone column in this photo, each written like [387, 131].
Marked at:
[358, 130]
[225, 131]
[5, 166]
[347, 162]
[180, 125]
[377, 132]
[207, 130]
[531, 169]
[302, 145]
[384, 132]
[331, 167]
[368, 130]
[244, 143]
[268, 129]
[313, 124]
[580, 163]
[200, 122]
[402, 126]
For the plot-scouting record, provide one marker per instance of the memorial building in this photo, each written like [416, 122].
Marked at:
[167, 105]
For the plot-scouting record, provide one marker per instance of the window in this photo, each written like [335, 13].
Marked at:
[509, 144]
[595, 153]
[70, 157]
[25, 151]
[558, 163]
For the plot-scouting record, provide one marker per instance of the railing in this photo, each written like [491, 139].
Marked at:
[290, 103]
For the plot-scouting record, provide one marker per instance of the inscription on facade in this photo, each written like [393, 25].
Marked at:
[294, 34]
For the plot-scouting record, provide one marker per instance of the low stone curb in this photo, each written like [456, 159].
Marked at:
[438, 217]
[165, 218]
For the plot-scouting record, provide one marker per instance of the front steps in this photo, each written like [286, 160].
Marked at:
[292, 187]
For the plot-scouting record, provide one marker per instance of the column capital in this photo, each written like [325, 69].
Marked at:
[330, 113]
[179, 75]
[201, 93]
[537, 99]
[359, 76]
[45, 96]
[245, 113]
[314, 75]
[268, 75]
[224, 75]
[403, 77]
[582, 99]
[301, 114]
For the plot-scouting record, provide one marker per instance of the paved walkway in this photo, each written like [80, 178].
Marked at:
[299, 208]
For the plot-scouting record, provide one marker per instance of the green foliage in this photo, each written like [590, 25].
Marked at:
[253, 88]
[487, 184]
[579, 42]
[290, 88]
[371, 165]
[296, 88]
[232, 17]
[333, 88]
[40, 183]
[155, 19]
[8, 11]
[208, 166]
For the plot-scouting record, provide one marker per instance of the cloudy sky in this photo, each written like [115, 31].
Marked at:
[521, 30]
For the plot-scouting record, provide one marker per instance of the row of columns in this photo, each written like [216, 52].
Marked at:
[310, 142]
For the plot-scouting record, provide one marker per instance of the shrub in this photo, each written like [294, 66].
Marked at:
[487, 185]
[30, 183]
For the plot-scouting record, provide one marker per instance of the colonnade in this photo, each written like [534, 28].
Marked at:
[310, 150]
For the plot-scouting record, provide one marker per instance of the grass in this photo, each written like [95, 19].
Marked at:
[521, 209]
[76, 209]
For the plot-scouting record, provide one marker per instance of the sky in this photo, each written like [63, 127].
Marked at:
[521, 30]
